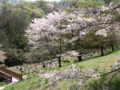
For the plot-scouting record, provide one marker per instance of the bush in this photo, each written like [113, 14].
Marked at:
[88, 3]
[117, 17]
[15, 57]
[110, 82]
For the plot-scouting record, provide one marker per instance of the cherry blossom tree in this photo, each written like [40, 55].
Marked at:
[60, 31]
[55, 31]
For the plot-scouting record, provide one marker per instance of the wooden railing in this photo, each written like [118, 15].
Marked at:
[9, 73]
[5, 76]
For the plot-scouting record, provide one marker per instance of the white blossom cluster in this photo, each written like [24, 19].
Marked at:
[45, 34]
[60, 23]
[56, 24]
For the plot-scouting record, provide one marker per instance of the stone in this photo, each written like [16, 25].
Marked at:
[25, 77]
[72, 73]
[116, 65]
[74, 87]
[91, 74]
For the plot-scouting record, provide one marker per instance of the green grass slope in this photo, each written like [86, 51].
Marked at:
[102, 64]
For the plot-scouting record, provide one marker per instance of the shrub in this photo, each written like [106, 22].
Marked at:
[110, 82]
[15, 57]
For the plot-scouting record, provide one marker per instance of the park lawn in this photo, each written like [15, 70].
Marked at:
[102, 64]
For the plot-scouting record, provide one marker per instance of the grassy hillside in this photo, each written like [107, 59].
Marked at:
[102, 64]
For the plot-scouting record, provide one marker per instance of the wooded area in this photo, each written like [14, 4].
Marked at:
[42, 32]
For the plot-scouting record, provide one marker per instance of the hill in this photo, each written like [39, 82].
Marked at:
[42, 83]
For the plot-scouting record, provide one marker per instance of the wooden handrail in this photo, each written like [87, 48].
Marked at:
[10, 73]
[7, 77]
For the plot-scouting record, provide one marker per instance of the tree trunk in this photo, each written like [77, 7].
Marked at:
[112, 47]
[79, 58]
[60, 50]
[59, 61]
[43, 65]
[102, 50]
